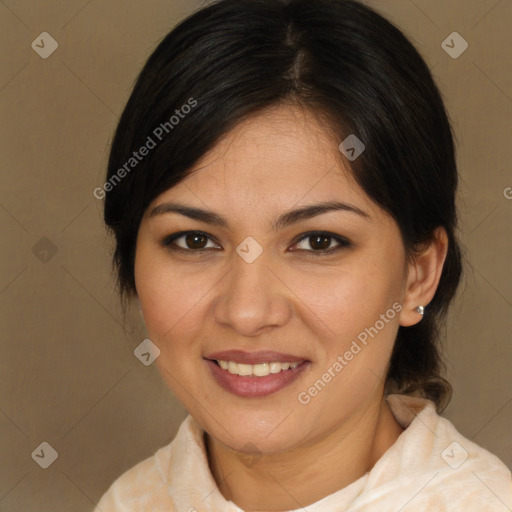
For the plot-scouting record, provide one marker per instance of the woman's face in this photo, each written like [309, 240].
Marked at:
[253, 284]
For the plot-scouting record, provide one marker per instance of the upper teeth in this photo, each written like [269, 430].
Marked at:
[259, 370]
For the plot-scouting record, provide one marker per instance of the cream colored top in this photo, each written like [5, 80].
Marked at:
[430, 467]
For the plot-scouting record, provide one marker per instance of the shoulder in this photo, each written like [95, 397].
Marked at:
[454, 472]
[470, 475]
[148, 486]
[142, 487]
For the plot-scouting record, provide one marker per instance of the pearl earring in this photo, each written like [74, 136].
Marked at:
[420, 310]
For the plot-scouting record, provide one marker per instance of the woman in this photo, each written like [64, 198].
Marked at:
[281, 187]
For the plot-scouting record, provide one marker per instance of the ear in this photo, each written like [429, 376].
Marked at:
[424, 273]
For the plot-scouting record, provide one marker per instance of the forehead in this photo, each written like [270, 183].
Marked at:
[278, 142]
[280, 157]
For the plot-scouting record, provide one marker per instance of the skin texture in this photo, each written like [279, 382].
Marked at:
[289, 300]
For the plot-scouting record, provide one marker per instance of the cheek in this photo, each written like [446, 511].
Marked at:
[353, 343]
[357, 318]
[170, 300]
[346, 301]
[357, 328]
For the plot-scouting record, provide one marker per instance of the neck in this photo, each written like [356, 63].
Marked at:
[306, 474]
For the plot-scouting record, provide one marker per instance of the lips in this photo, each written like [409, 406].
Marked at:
[252, 386]
[266, 356]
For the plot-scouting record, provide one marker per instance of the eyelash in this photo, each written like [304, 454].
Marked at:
[168, 242]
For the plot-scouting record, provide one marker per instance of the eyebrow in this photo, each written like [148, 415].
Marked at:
[286, 219]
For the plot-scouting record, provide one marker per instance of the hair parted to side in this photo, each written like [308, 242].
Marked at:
[337, 58]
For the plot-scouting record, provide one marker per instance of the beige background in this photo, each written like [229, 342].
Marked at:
[68, 373]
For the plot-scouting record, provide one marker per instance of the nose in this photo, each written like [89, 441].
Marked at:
[252, 298]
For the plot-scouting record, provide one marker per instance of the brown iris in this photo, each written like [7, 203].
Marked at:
[196, 240]
[320, 242]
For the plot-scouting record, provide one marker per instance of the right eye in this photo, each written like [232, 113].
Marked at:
[189, 241]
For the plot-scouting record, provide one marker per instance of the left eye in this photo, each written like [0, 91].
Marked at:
[191, 240]
[322, 242]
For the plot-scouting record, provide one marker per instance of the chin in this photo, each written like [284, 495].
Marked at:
[261, 432]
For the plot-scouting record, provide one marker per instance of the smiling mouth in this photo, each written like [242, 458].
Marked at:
[264, 377]
[255, 370]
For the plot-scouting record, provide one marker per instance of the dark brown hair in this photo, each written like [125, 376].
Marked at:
[337, 58]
